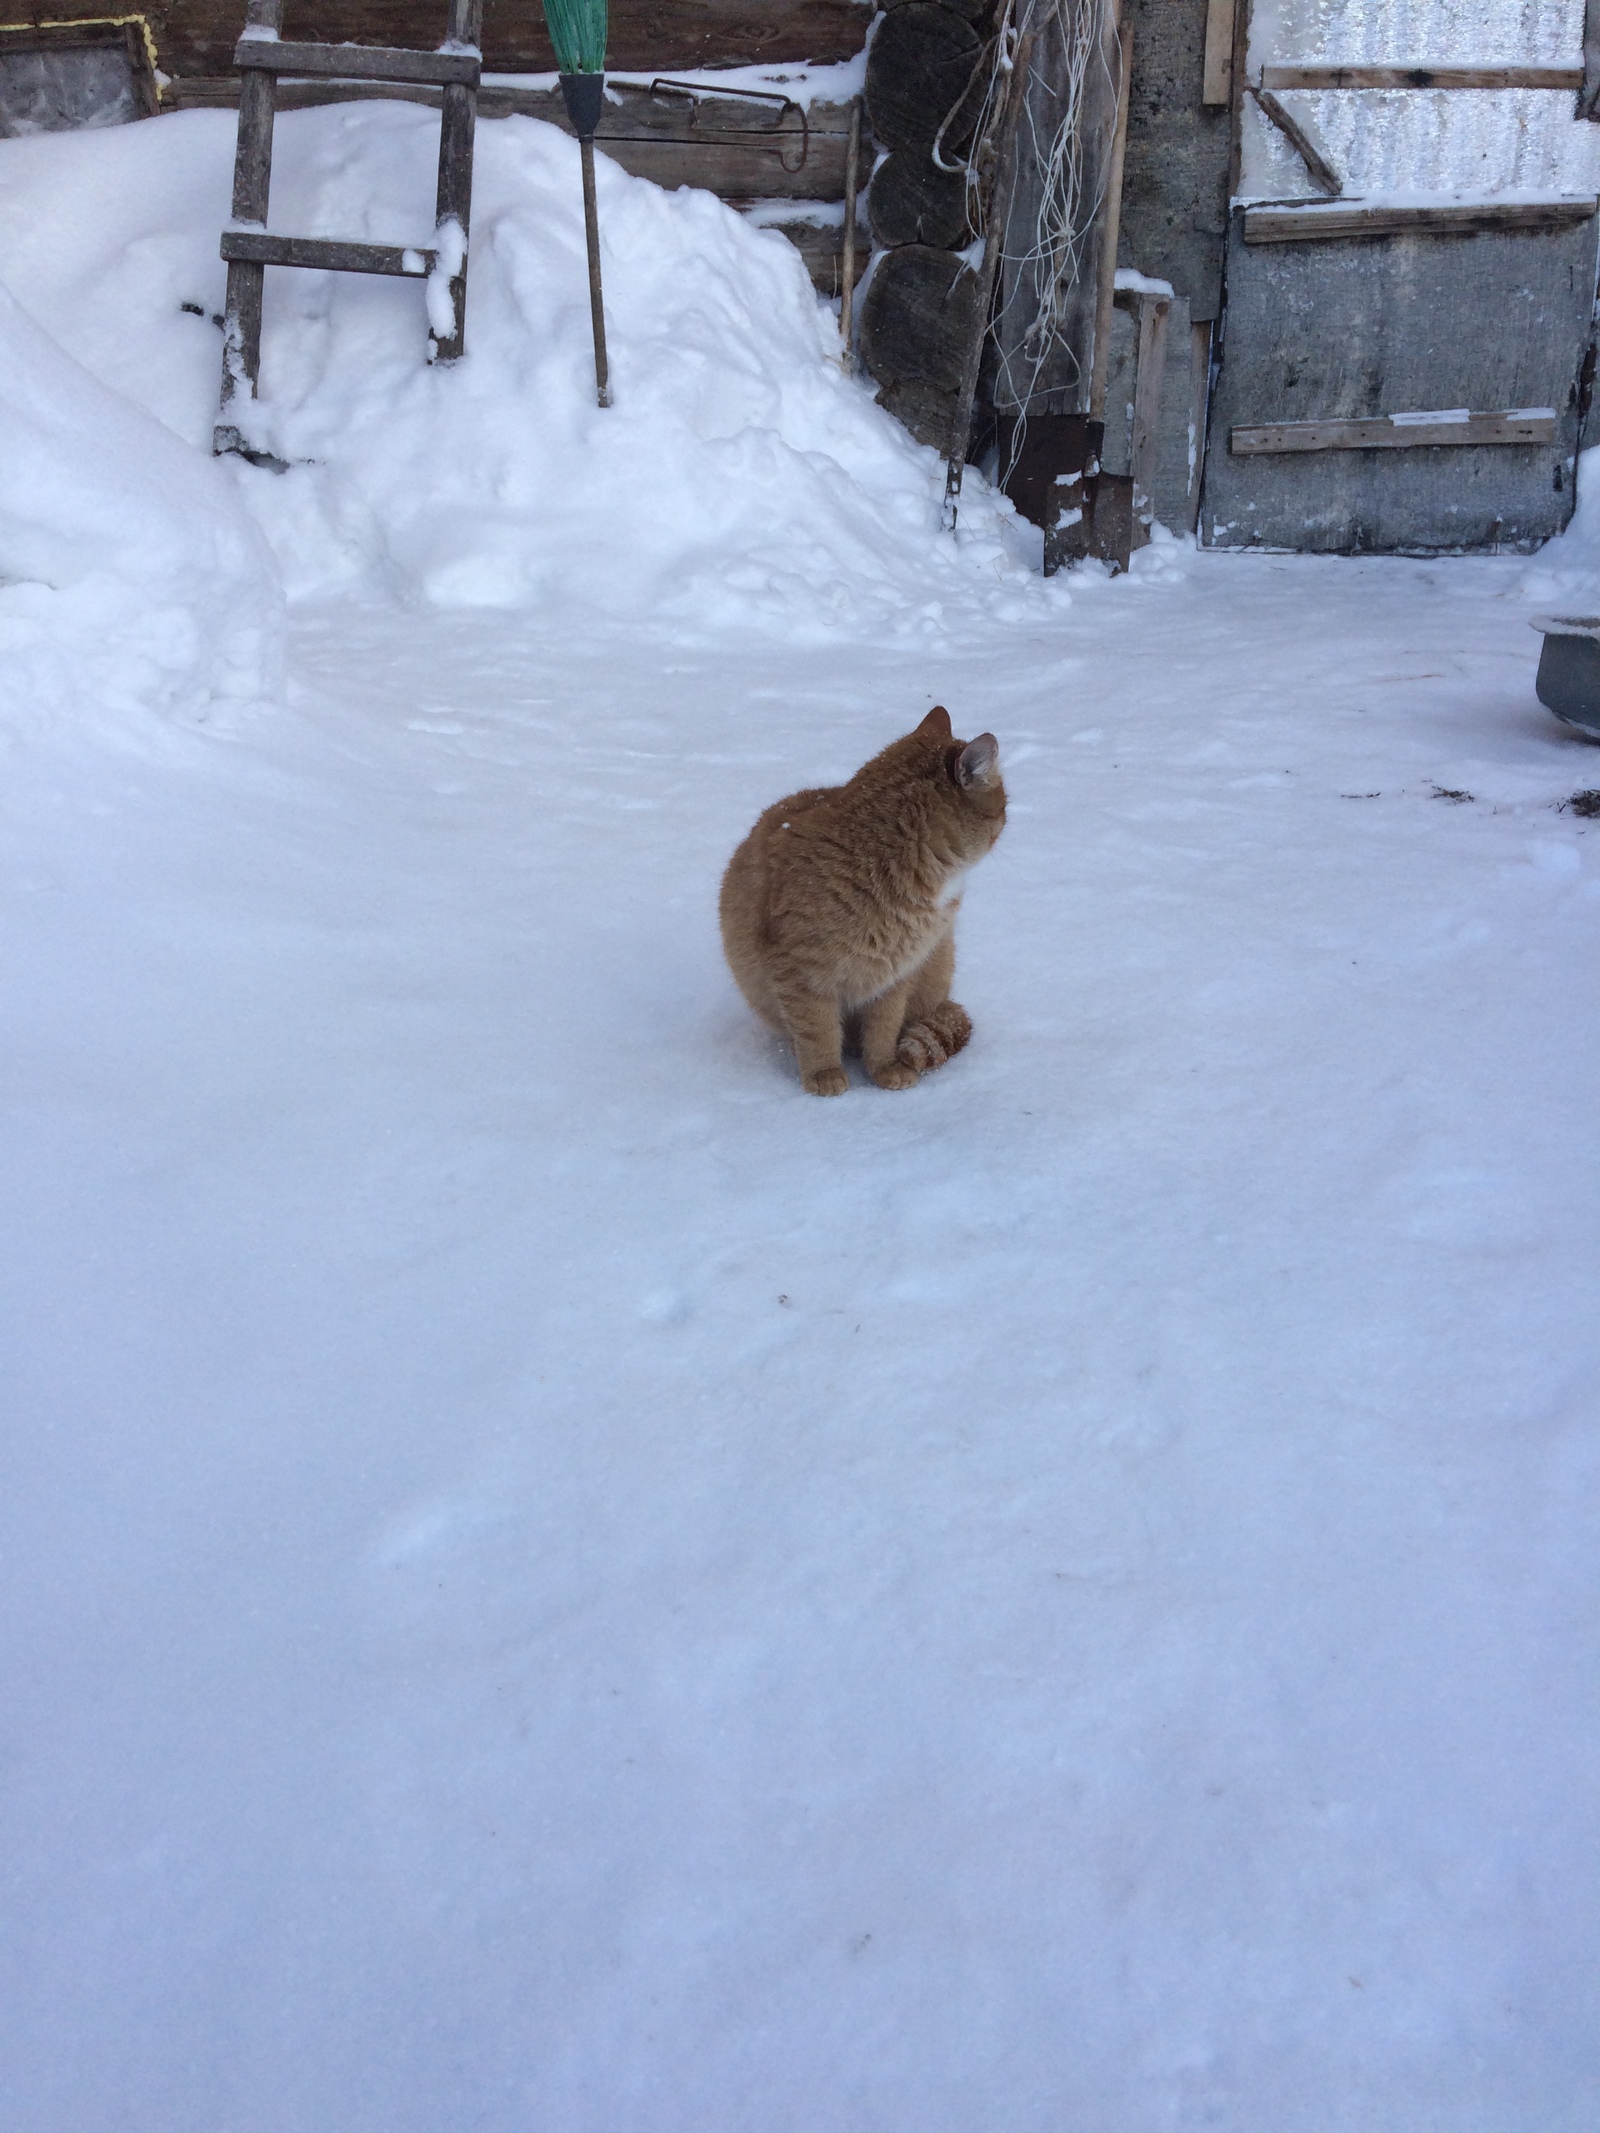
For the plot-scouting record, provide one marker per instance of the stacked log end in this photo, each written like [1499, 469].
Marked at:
[919, 314]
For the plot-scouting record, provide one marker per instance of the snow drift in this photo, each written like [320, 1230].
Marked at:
[129, 574]
[741, 479]
[1567, 572]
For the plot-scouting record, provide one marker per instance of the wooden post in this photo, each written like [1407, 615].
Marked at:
[1110, 232]
[994, 235]
[1216, 81]
[252, 182]
[852, 178]
[1148, 383]
[457, 123]
[1237, 87]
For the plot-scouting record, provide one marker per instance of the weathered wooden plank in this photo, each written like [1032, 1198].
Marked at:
[1514, 425]
[252, 186]
[354, 62]
[331, 254]
[749, 168]
[847, 247]
[632, 111]
[1314, 225]
[453, 205]
[1324, 333]
[1319, 77]
[1216, 80]
[1111, 229]
[1175, 489]
[1305, 140]
[196, 37]
[1149, 387]
[650, 138]
[821, 246]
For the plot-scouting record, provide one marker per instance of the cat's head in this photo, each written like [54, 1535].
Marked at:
[972, 792]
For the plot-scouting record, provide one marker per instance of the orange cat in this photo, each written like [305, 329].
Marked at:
[837, 908]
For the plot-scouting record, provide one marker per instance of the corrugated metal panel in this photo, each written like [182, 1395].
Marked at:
[1419, 140]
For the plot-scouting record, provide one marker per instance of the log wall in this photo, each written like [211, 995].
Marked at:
[197, 37]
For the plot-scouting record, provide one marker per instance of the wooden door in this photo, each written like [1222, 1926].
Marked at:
[1410, 281]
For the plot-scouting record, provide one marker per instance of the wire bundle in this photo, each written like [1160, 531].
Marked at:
[1070, 39]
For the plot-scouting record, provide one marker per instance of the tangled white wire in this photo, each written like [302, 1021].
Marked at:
[1070, 39]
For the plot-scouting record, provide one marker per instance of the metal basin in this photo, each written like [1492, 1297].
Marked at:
[1569, 670]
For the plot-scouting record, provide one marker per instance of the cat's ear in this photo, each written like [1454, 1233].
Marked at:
[979, 762]
[937, 723]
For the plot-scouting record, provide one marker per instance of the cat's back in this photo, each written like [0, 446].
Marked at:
[754, 872]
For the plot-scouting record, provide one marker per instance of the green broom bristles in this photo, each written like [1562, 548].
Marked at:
[578, 32]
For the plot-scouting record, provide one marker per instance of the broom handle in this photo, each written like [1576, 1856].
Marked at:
[597, 313]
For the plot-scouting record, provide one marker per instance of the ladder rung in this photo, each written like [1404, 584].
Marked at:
[257, 249]
[356, 62]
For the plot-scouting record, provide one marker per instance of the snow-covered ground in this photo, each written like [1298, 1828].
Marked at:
[549, 1580]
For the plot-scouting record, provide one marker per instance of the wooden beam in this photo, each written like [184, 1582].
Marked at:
[1110, 232]
[1243, 13]
[1318, 77]
[355, 62]
[1311, 225]
[1513, 425]
[258, 249]
[1149, 384]
[1216, 77]
[725, 144]
[847, 265]
[252, 186]
[197, 37]
[1305, 140]
[458, 119]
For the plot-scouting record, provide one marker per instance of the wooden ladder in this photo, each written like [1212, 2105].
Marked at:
[261, 57]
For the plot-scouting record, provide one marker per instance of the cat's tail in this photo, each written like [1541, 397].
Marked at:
[938, 1036]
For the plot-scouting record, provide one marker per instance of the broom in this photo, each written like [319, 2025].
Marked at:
[578, 32]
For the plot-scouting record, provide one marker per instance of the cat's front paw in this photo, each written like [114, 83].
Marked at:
[827, 1081]
[895, 1075]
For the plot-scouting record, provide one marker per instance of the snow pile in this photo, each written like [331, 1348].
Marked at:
[740, 479]
[129, 575]
[1567, 573]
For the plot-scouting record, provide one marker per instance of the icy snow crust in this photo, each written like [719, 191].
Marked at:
[548, 1580]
